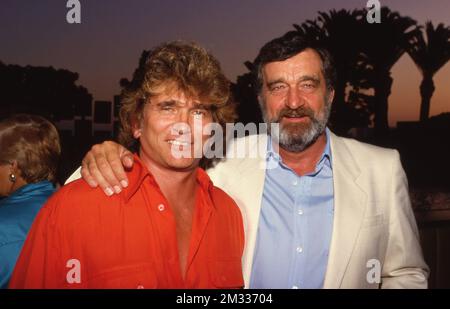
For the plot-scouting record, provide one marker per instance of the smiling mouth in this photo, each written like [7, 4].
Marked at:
[179, 143]
[295, 118]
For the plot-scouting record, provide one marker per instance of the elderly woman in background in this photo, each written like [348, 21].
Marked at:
[29, 153]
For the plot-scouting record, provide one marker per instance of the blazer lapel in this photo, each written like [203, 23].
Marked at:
[250, 186]
[349, 209]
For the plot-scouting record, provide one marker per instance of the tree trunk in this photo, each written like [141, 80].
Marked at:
[426, 92]
[382, 87]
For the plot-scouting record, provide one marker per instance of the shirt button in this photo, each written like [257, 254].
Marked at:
[300, 212]
[294, 183]
[299, 249]
[161, 207]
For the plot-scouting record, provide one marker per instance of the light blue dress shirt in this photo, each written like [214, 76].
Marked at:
[295, 225]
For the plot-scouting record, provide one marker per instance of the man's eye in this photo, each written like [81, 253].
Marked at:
[308, 86]
[167, 108]
[276, 88]
[199, 112]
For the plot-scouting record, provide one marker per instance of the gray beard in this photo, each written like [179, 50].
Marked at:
[296, 137]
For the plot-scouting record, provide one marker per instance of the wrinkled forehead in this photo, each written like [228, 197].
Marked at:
[305, 63]
[173, 92]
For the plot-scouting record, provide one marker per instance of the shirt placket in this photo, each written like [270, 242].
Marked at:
[295, 184]
[159, 209]
[303, 196]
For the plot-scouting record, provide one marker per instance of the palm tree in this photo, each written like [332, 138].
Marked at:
[138, 74]
[384, 44]
[338, 32]
[244, 93]
[430, 55]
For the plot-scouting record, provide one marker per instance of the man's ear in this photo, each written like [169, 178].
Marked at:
[260, 101]
[330, 95]
[137, 132]
[136, 128]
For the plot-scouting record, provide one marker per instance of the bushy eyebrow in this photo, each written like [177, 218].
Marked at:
[167, 103]
[310, 78]
[170, 103]
[304, 78]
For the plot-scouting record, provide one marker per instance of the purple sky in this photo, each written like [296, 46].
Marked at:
[112, 34]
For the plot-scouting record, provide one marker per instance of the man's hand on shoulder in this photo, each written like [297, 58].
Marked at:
[104, 165]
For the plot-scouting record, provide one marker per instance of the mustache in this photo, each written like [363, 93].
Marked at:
[298, 112]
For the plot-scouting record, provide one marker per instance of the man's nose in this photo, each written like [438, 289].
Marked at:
[183, 124]
[180, 128]
[294, 98]
[183, 116]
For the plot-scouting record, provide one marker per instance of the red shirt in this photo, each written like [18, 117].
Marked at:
[129, 240]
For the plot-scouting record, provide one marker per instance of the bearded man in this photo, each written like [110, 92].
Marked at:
[324, 211]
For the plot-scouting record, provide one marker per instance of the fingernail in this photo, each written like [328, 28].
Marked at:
[117, 189]
[124, 183]
[109, 192]
[92, 184]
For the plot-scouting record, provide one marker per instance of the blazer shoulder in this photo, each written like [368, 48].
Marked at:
[367, 151]
[240, 151]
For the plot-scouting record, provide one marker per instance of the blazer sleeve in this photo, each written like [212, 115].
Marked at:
[404, 266]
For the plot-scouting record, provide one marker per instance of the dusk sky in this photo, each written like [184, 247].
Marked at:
[106, 45]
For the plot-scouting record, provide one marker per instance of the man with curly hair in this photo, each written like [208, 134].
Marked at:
[171, 227]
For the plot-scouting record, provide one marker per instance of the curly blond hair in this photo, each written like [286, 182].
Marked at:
[188, 66]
